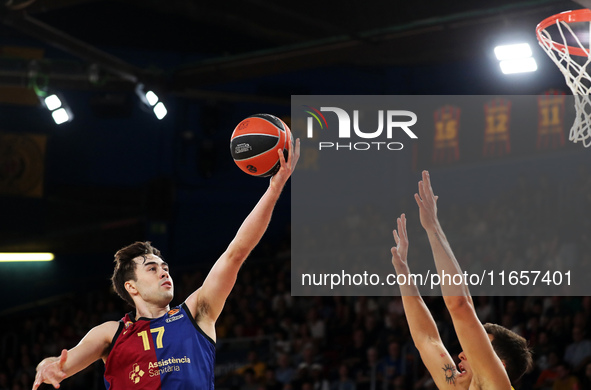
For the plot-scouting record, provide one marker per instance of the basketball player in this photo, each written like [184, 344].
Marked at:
[493, 357]
[155, 347]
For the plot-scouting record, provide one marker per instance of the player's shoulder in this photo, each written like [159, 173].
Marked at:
[109, 325]
[106, 331]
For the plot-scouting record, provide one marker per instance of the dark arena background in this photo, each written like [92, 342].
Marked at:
[114, 174]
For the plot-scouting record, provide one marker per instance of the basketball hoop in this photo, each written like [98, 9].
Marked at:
[572, 55]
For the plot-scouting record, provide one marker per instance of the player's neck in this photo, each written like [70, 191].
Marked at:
[147, 310]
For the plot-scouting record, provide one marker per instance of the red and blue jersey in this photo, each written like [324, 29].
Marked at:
[166, 353]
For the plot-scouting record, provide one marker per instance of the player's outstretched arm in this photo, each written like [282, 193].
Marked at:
[92, 347]
[445, 260]
[207, 302]
[488, 370]
[422, 326]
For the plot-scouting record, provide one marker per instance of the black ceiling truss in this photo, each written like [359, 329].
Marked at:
[404, 43]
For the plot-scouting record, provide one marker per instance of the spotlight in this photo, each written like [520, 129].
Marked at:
[151, 100]
[61, 115]
[520, 65]
[511, 52]
[516, 58]
[60, 111]
[52, 102]
[160, 110]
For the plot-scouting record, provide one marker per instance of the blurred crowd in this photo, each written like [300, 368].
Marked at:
[269, 340]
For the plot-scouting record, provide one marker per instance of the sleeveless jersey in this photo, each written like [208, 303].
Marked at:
[166, 353]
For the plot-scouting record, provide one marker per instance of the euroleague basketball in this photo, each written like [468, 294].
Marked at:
[255, 142]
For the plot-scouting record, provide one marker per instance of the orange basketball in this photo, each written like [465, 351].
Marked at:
[255, 142]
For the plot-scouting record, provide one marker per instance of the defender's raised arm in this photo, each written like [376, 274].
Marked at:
[478, 356]
[422, 325]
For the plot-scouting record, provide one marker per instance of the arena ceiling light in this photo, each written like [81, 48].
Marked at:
[151, 100]
[160, 110]
[516, 58]
[61, 115]
[25, 257]
[522, 65]
[60, 112]
[52, 102]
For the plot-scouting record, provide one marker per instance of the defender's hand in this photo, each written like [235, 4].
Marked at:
[427, 202]
[400, 251]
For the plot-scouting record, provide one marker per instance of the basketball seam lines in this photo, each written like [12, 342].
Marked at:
[268, 121]
[274, 166]
[246, 135]
[244, 159]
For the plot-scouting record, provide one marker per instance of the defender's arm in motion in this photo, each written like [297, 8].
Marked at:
[422, 325]
[488, 370]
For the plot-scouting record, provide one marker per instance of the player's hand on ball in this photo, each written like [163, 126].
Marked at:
[427, 202]
[51, 371]
[400, 251]
[287, 167]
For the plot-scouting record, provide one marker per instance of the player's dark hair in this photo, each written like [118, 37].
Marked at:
[512, 349]
[125, 267]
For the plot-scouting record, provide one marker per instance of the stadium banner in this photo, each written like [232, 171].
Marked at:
[22, 164]
[551, 125]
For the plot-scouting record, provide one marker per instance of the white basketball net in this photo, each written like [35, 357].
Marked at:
[575, 74]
